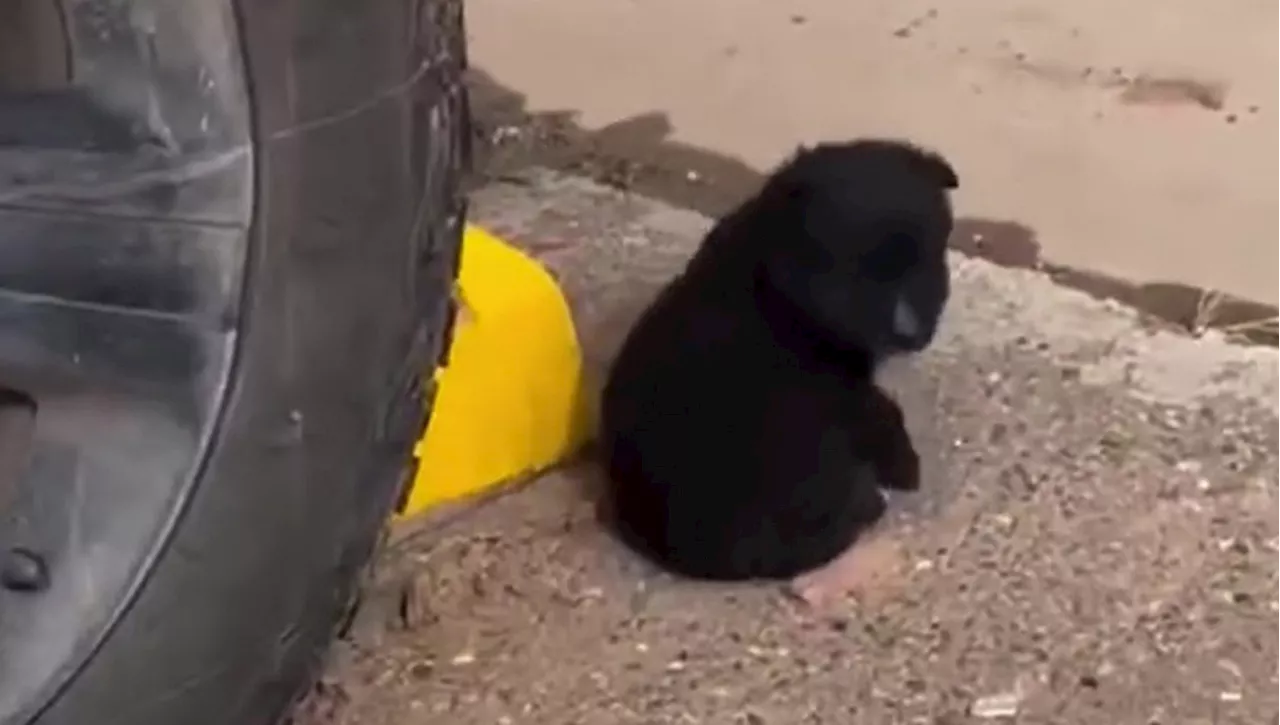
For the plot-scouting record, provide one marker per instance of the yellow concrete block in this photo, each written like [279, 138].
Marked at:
[512, 400]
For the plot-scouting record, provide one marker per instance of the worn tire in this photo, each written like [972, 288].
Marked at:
[226, 255]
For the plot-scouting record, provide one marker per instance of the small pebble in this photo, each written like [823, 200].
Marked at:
[1189, 466]
[505, 133]
[993, 706]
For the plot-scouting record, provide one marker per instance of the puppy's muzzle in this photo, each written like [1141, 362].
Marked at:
[906, 323]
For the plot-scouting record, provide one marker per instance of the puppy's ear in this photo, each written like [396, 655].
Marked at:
[792, 176]
[938, 169]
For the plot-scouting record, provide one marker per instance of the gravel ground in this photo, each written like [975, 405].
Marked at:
[1095, 541]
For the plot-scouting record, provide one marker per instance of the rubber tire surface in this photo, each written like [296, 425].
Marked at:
[346, 303]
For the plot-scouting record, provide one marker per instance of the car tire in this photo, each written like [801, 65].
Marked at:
[229, 233]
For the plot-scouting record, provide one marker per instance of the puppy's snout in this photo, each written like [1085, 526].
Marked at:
[906, 323]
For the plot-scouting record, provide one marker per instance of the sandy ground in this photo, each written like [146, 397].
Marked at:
[1133, 139]
[1095, 541]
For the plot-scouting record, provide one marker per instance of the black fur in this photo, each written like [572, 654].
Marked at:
[743, 431]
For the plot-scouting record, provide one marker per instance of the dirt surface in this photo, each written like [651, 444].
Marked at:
[639, 155]
[1095, 541]
[1137, 140]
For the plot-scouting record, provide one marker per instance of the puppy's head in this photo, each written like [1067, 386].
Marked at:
[865, 258]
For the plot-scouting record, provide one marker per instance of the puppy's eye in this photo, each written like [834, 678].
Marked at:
[892, 259]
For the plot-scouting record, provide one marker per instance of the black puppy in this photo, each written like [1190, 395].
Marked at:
[743, 432]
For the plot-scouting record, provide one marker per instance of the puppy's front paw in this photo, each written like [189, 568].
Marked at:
[902, 473]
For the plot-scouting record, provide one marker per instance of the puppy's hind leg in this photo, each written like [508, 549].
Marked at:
[845, 572]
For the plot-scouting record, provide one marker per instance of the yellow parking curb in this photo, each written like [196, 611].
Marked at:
[511, 400]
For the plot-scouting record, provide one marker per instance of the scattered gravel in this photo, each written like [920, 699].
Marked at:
[1096, 541]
